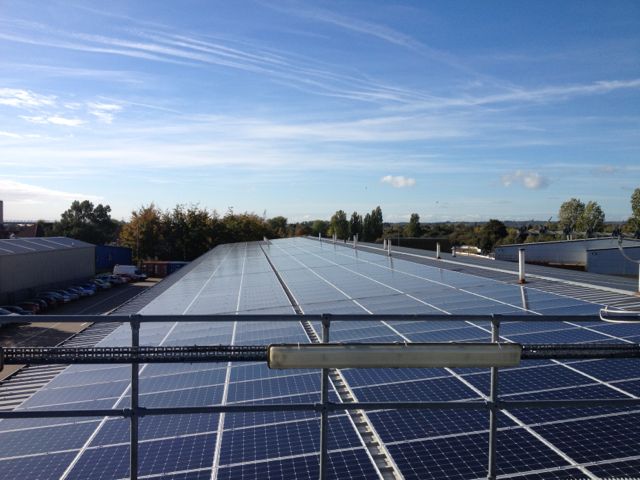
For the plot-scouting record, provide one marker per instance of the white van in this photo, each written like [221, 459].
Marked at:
[130, 271]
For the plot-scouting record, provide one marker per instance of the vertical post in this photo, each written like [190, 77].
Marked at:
[319, 236]
[438, 250]
[133, 448]
[521, 266]
[389, 248]
[638, 277]
[493, 410]
[453, 251]
[324, 399]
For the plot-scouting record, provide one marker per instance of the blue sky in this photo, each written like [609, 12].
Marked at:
[454, 110]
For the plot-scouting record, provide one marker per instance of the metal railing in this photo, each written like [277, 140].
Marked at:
[136, 355]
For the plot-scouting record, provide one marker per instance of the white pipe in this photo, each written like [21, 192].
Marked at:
[521, 266]
[438, 250]
[389, 247]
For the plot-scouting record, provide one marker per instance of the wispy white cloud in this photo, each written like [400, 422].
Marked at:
[18, 192]
[104, 112]
[6, 134]
[529, 180]
[398, 181]
[14, 97]
[54, 120]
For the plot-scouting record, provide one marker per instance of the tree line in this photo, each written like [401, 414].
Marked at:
[187, 231]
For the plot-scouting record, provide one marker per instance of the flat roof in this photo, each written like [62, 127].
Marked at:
[324, 278]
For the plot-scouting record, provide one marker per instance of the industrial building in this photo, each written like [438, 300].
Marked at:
[31, 264]
[568, 253]
[306, 277]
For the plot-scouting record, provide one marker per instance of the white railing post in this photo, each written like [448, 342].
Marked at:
[453, 251]
[521, 278]
[438, 250]
[388, 248]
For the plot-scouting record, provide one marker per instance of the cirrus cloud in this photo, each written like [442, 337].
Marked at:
[398, 181]
[54, 120]
[529, 180]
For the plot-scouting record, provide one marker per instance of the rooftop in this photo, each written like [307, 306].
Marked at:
[14, 246]
[309, 277]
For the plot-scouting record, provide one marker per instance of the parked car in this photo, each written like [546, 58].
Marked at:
[80, 291]
[6, 312]
[40, 301]
[59, 296]
[72, 295]
[51, 301]
[30, 307]
[101, 283]
[15, 309]
[90, 286]
[130, 271]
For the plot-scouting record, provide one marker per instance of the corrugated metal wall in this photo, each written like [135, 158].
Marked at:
[22, 274]
[611, 262]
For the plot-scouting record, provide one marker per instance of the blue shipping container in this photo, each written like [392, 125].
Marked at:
[108, 256]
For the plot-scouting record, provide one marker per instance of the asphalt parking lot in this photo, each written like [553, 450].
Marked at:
[47, 334]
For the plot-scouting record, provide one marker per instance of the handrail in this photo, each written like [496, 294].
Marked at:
[136, 354]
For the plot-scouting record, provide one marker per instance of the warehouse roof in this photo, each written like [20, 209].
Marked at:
[322, 278]
[14, 246]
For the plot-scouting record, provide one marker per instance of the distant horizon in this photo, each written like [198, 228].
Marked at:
[459, 111]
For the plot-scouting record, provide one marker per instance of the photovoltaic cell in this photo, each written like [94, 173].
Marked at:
[327, 279]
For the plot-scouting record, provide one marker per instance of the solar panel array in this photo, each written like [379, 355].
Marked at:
[323, 278]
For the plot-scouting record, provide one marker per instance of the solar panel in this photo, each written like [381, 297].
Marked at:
[238, 279]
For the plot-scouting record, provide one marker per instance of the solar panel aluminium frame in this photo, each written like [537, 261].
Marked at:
[324, 407]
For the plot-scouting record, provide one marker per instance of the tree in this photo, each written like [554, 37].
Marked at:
[367, 229]
[491, 233]
[413, 228]
[592, 219]
[634, 221]
[376, 223]
[569, 215]
[319, 227]
[355, 225]
[278, 226]
[145, 233]
[340, 225]
[85, 222]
